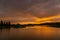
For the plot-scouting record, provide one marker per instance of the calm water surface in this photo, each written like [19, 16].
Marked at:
[35, 32]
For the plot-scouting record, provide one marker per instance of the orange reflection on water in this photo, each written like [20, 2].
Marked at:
[45, 31]
[33, 31]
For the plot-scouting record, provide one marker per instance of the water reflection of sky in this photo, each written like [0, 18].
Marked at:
[36, 31]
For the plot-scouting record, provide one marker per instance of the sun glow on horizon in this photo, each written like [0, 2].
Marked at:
[49, 19]
[43, 20]
[38, 20]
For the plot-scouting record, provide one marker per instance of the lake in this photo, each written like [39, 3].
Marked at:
[30, 33]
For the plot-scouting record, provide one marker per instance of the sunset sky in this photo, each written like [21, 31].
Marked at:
[30, 11]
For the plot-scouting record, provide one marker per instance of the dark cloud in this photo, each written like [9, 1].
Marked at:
[46, 9]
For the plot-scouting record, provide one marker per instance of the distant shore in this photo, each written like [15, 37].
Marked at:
[9, 25]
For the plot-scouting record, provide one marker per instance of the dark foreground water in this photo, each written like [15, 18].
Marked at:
[31, 33]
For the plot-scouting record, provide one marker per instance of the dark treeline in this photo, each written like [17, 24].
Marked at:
[4, 24]
[8, 24]
[52, 24]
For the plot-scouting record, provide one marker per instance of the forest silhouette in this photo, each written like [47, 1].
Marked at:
[8, 24]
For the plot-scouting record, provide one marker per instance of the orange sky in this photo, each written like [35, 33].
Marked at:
[30, 11]
[43, 20]
[36, 20]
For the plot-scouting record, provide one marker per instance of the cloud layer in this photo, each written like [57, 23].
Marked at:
[28, 10]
